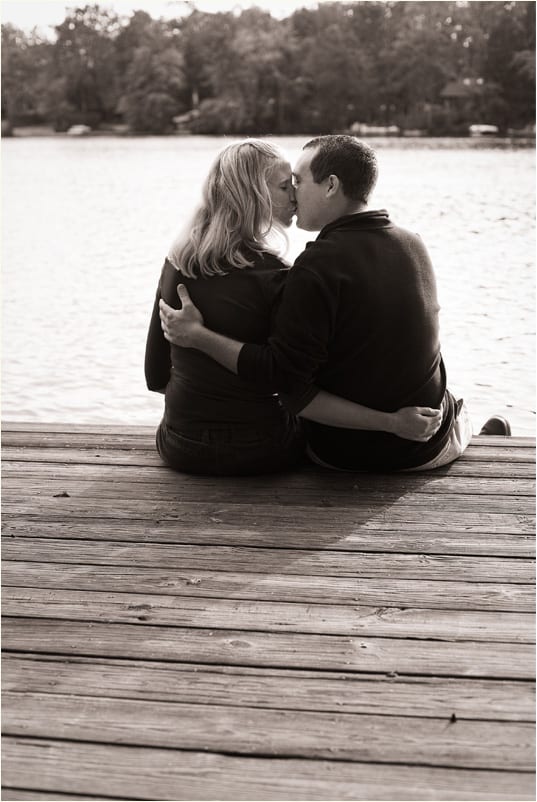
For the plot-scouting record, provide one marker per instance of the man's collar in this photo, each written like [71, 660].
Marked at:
[375, 218]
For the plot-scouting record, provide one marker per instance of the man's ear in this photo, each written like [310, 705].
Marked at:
[332, 186]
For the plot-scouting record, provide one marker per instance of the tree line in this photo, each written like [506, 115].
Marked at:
[433, 66]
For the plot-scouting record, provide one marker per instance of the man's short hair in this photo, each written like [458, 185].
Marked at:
[354, 163]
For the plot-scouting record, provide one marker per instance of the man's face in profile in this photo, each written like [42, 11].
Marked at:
[310, 197]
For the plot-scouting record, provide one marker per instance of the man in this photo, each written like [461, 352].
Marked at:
[358, 317]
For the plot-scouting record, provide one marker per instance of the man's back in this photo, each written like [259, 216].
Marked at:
[359, 318]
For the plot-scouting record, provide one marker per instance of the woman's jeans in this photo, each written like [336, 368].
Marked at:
[232, 449]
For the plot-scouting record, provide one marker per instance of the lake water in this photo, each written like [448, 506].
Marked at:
[87, 223]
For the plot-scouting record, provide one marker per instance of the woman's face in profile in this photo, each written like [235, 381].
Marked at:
[282, 193]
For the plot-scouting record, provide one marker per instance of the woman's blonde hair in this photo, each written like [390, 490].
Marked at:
[235, 215]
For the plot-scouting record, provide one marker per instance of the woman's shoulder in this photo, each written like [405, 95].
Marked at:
[266, 269]
[170, 278]
[271, 273]
[264, 278]
[269, 268]
[268, 261]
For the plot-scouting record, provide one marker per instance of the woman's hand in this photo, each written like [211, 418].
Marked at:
[416, 423]
[181, 326]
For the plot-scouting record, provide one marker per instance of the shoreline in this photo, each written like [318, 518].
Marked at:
[35, 132]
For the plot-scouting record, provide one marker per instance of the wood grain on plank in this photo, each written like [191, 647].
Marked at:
[22, 430]
[89, 456]
[390, 530]
[79, 440]
[140, 438]
[159, 474]
[272, 616]
[151, 773]
[385, 694]
[54, 505]
[384, 590]
[404, 538]
[256, 731]
[15, 794]
[306, 477]
[144, 454]
[262, 561]
[364, 487]
[282, 650]
[111, 429]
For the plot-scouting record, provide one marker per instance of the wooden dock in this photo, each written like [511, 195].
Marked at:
[309, 636]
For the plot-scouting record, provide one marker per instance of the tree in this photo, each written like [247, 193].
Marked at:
[154, 89]
[510, 63]
[25, 64]
[234, 67]
[258, 71]
[318, 70]
[206, 42]
[84, 56]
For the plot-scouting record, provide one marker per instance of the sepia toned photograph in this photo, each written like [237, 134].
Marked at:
[268, 400]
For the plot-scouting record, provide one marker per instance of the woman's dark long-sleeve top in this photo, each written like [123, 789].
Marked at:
[198, 391]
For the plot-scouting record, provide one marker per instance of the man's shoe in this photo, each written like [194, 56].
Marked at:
[497, 425]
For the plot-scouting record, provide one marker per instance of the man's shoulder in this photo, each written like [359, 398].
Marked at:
[405, 233]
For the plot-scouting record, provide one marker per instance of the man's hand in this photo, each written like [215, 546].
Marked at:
[416, 423]
[181, 326]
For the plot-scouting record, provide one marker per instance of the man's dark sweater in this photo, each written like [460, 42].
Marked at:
[359, 318]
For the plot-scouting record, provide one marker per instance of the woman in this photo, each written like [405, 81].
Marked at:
[214, 422]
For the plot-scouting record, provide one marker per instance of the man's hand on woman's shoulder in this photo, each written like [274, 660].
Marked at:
[181, 326]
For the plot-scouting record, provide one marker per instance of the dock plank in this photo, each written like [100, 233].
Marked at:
[391, 531]
[253, 648]
[318, 562]
[150, 773]
[307, 636]
[437, 593]
[256, 731]
[287, 689]
[476, 467]
[368, 486]
[58, 505]
[14, 794]
[159, 610]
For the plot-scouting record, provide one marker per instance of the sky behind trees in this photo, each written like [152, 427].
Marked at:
[26, 14]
